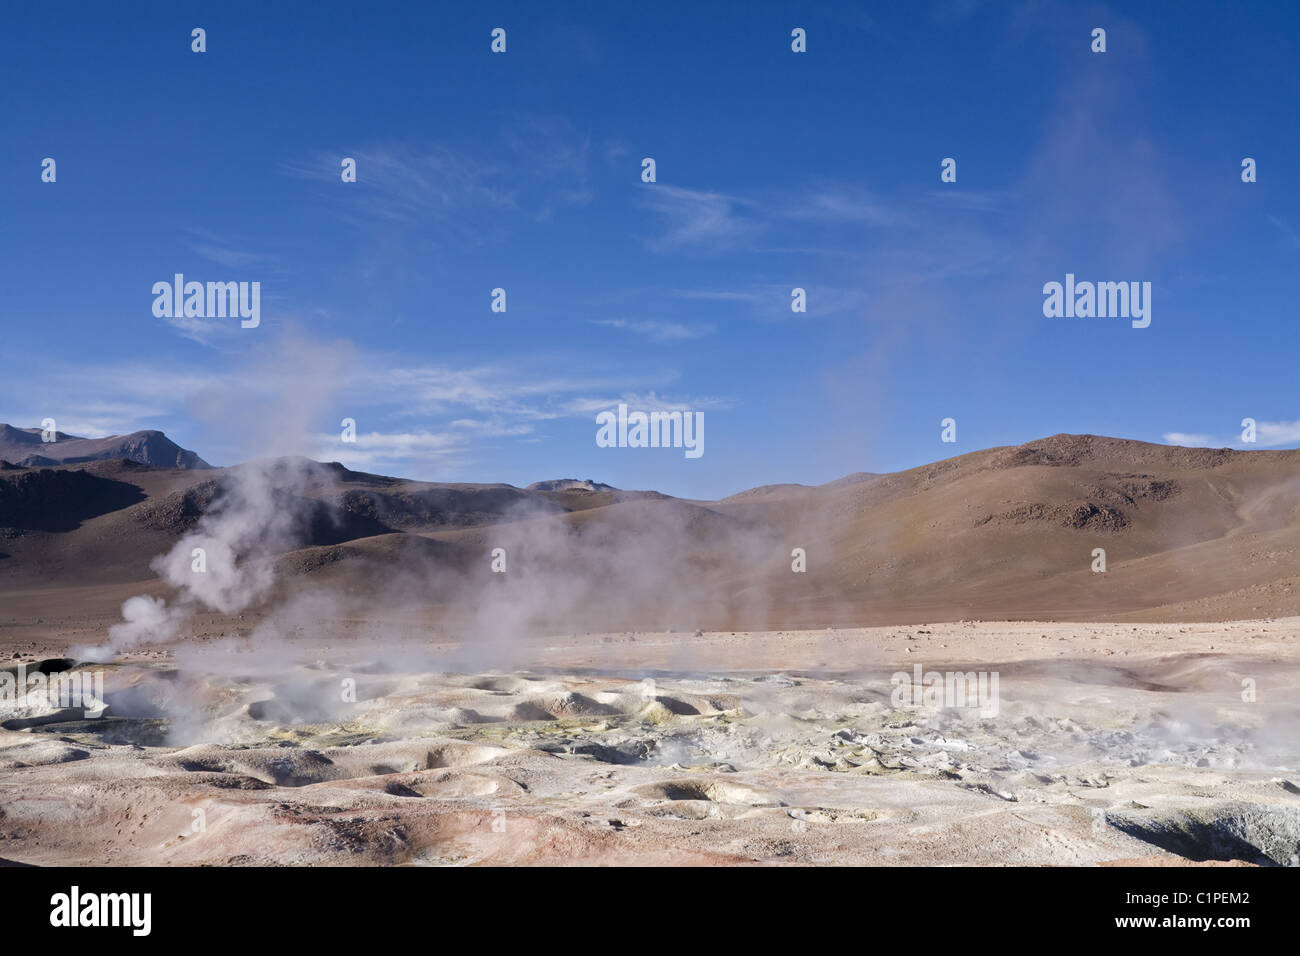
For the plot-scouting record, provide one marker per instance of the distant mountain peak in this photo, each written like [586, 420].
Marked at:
[24, 447]
[569, 484]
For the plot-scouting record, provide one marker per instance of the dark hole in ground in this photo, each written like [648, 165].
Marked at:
[1264, 834]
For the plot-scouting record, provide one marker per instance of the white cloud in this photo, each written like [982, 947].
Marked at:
[415, 416]
[837, 203]
[657, 331]
[753, 297]
[1277, 433]
[646, 402]
[772, 302]
[218, 249]
[1267, 435]
[214, 333]
[694, 217]
[387, 450]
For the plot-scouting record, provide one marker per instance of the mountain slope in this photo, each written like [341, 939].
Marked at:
[1000, 533]
[25, 447]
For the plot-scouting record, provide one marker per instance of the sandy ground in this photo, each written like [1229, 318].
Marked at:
[1159, 744]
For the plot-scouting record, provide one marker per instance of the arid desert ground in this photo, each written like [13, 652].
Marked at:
[1112, 744]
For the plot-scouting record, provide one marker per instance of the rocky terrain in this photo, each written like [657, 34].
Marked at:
[1111, 745]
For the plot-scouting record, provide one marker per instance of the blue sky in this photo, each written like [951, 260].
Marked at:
[522, 171]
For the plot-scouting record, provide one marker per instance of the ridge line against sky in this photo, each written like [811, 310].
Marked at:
[775, 170]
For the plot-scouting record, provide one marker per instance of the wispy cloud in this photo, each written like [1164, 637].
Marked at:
[772, 302]
[840, 203]
[1286, 230]
[556, 156]
[1267, 435]
[406, 183]
[1277, 433]
[753, 297]
[393, 450]
[538, 165]
[409, 414]
[972, 200]
[692, 217]
[502, 393]
[648, 402]
[223, 252]
[657, 331]
[203, 331]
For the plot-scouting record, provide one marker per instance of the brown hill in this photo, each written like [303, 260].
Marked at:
[1003, 533]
